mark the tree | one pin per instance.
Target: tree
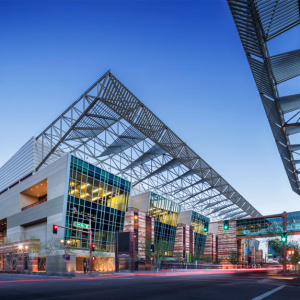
(233, 258)
(162, 250)
(274, 230)
(13, 256)
(294, 259)
(202, 258)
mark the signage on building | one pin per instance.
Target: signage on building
(81, 225)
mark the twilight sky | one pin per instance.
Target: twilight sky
(183, 59)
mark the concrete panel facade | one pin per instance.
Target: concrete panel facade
(141, 201)
(19, 222)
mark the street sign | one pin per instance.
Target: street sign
(81, 225)
(269, 254)
(67, 256)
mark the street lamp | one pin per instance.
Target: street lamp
(21, 248)
(65, 246)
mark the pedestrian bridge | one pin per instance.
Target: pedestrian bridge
(267, 226)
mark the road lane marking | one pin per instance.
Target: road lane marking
(268, 293)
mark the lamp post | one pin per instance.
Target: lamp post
(63, 243)
(21, 248)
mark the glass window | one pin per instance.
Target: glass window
(104, 203)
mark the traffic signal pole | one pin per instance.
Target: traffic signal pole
(90, 236)
(90, 242)
(284, 217)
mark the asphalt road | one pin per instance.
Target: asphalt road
(203, 286)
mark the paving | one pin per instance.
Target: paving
(147, 285)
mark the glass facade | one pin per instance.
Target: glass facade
(99, 195)
(198, 222)
(166, 215)
(293, 221)
(254, 227)
(267, 226)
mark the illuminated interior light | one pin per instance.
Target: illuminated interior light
(107, 194)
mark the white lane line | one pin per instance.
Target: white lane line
(268, 293)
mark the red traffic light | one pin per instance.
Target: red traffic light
(93, 247)
(293, 252)
(55, 229)
(94, 258)
(289, 252)
(151, 258)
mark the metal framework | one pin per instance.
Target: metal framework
(113, 129)
(258, 22)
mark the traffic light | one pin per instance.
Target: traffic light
(94, 257)
(292, 252)
(205, 228)
(226, 225)
(151, 258)
(93, 247)
(284, 237)
(55, 229)
(152, 249)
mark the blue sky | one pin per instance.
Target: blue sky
(183, 59)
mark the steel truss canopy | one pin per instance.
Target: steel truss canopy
(112, 129)
(258, 22)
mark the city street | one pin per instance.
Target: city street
(150, 150)
(143, 286)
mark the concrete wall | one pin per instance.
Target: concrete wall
(50, 211)
(36, 230)
(141, 201)
(185, 217)
(213, 228)
(27, 200)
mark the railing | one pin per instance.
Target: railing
(34, 204)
